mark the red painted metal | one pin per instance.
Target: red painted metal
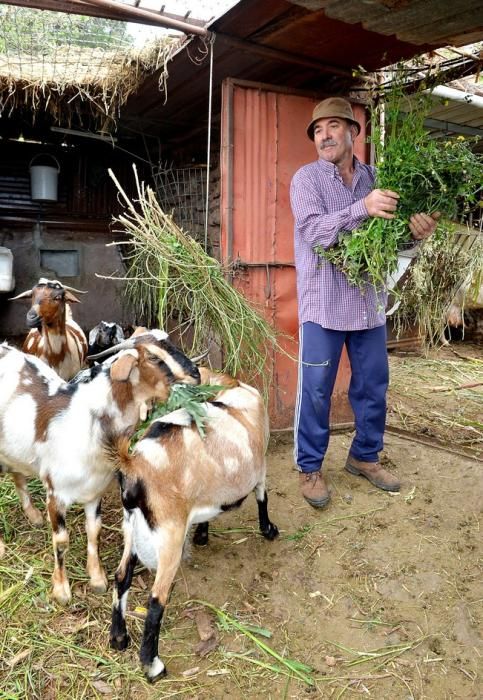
(263, 144)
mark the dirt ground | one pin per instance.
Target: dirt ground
(379, 594)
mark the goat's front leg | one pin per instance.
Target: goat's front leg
(2, 548)
(170, 552)
(97, 575)
(119, 638)
(60, 540)
(267, 528)
(32, 513)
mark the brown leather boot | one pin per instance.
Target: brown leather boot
(314, 489)
(374, 472)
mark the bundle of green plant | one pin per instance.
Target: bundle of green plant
(191, 398)
(172, 281)
(449, 258)
(429, 175)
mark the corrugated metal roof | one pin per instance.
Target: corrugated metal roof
(308, 45)
(445, 22)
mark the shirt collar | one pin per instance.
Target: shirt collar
(333, 171)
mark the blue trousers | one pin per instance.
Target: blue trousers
(319, 355)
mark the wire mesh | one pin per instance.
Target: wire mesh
(70, 65)
(57, 47)
(182, 193)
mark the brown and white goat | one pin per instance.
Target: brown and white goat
(54, 336)
(175, 478)
(58, 431)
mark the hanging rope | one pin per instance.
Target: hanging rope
(208, 147)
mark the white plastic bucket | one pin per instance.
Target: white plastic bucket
(7, 280)
(43, 179)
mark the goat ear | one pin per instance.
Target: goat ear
(71, 298)
(122, 368)
(24, 295)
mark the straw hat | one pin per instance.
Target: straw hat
(332, 107)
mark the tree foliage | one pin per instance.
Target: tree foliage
(31, 31)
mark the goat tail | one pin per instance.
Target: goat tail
(116, 449)
(123, 454)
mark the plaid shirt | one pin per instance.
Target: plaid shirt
(323, 206)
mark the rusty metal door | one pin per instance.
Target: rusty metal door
(263, 143)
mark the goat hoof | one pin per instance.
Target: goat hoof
(99, 584)
(155, 670)
(61, 593)
(35, 517)
(120, 643)
(200, 539)
(271, 532)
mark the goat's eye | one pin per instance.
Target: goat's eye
(153, 358)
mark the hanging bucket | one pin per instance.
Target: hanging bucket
(43, 178)
(7, 280)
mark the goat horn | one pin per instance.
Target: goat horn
(73, 289)
(194, 360)
(24, 295)
(126, 345)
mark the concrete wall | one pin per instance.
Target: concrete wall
(74, 260)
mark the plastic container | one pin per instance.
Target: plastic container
(7, 280)
(44, 178)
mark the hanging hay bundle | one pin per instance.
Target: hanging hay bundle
(172, 280)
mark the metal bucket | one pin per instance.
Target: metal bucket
(43, 179)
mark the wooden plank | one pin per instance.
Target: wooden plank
(122, 13)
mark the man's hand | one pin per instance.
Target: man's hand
(423, 225)
(381, 203)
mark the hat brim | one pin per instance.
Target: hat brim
(310, 128)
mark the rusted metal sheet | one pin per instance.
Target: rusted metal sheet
(263, 144)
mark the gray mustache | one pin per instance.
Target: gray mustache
(328, 142)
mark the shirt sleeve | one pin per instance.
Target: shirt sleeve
(312, 220)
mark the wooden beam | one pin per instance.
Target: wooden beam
(162, 20)
(452, 127)
(280, 56)
(122, 13)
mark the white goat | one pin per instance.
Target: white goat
(58, 431)
(175, 478)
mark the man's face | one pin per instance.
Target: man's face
(333, 139)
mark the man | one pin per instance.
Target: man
(333, 194)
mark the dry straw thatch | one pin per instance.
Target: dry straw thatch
(49, 63)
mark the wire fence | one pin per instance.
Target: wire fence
(182, 193)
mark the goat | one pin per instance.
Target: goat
(463, 300)
(58, 431)
(104, 336)
(174, 478)
(54, 336)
